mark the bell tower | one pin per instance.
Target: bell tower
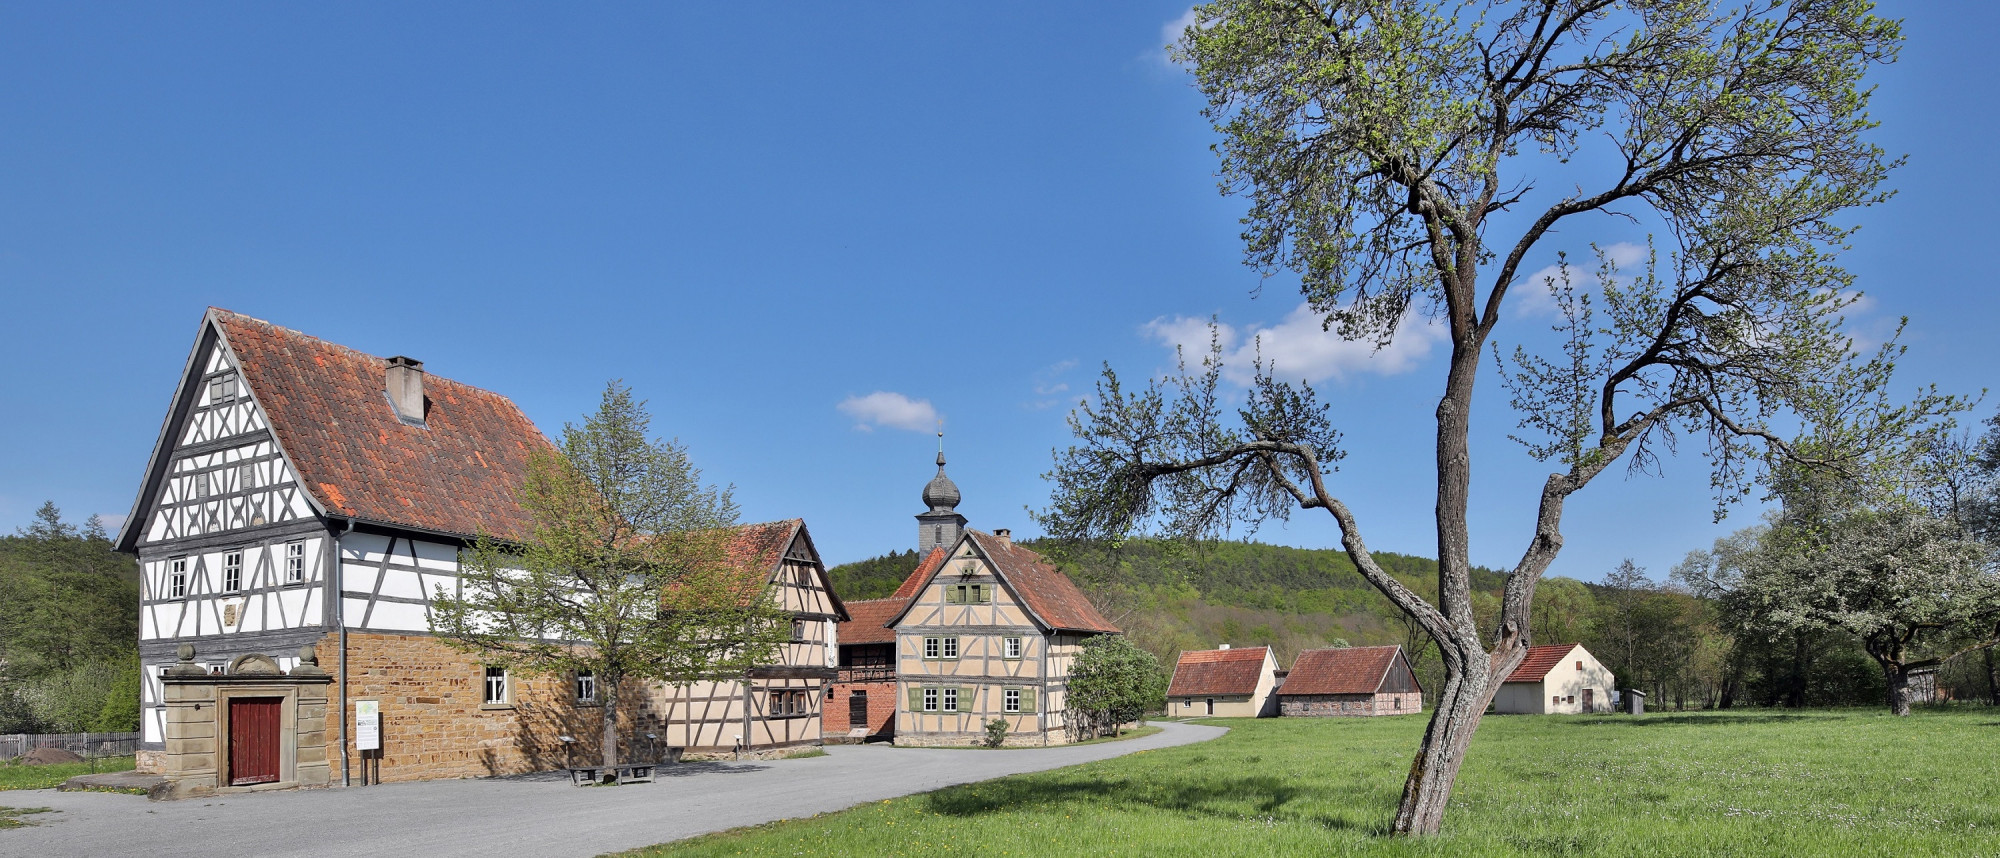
(942, 524)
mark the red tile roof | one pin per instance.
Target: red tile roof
(1218, 671)
(868, 623)
(1048, 593)
(759, 548)
(459, 473)
(1540, 660)
(1342, 670)
(915, 583)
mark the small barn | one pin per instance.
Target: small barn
(1559, 679)
(1225, 683)
(1351, 681)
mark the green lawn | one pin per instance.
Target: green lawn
(1850, 782)
(16, 776)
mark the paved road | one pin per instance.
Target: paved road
(524, 816)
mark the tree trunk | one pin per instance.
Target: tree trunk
(1992, 679)
(1460, 707)
(1899, 688)
(607, 694)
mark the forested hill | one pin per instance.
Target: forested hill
(69, 630)
(1242, 574)
(1171, 596)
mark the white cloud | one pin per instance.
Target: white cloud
(112, 521)
(1047, 384)
(894, 410)
(1298, 348)
(1170, 34)
(1534, 295)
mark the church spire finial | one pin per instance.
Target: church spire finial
(940, 446)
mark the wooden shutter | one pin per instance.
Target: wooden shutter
(916, 699)
(1027, 700)
(954, 595)
(964, 699)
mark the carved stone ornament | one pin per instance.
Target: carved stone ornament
(186, 666)
(308, 662)
(255, 664)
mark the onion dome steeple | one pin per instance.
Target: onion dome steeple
(941, 525)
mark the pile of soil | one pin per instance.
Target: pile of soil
(48, 756)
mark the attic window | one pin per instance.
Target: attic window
(1579, 665)
(221, 387)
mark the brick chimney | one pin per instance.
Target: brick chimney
(1006, 536)
(406, 388)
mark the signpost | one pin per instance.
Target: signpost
(368, 725)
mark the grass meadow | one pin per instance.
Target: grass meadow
(21, 776)
(1737, 783)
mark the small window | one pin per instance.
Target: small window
(930, 700)
(1557, 700)
(1011, 648)
(1579, 665)
(1572, 698)
(1011, 700)
(496, 686)
(798, 630)
(295, 562)
(1211, 705)
(246, 476)
(220, 388)
(788, 703)
(968, 594)
(950, 647)
(201, 487)
(933, 647)
(177, 578)
(586, 687)
(950, 699)
(1399, 703)
(232, 571)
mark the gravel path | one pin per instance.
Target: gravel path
(538, 816)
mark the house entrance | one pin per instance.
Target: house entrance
(253, 740)
(1588, 695)
(857, 710)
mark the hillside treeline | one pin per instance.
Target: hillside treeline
(69, 630)
(1654, 634)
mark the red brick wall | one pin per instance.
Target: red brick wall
(435, 724)
(881, 709)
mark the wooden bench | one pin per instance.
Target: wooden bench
(628, 773)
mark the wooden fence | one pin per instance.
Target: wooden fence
(83, 744)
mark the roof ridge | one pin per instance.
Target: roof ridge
(428, 375)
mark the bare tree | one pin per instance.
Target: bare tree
(1386, 145)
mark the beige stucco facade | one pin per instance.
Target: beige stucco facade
(1262, 702)
(1577, 684)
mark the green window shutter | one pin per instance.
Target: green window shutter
(954, 595)
(965, 699)
(1027, 700)
(916, 699)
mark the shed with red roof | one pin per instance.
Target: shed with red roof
(1225, 683)
(1351, 681)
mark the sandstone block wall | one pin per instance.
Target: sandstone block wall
(435, 723)
(1349, 705)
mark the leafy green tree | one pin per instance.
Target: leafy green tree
(69, 622)
(1394, 154)
(624, 575)
(1113, 682)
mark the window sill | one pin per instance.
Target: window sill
(495, 707)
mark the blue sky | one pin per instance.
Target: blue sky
(798, 230)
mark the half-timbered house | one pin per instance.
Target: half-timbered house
(991, 632)
(301, 504)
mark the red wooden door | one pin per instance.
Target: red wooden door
(253, 740)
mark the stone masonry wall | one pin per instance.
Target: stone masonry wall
(435, 723)
(1349, 705)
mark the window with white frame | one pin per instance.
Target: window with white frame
(496, 686)
(930, 700)
(586, 687)
(1011, 700)
(933, 647)
(295, 562)
(220, 388)
(950, 647)
(177, 578)
(246, 476)
(949, 697)
(232, 571)
(1010, 648)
